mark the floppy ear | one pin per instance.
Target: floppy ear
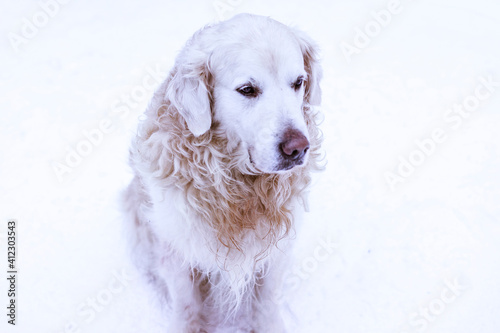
(309, 49)
(189, 89)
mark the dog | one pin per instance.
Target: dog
(222, 162)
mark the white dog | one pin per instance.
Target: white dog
(221, 162)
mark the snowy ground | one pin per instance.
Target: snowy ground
(419, 256)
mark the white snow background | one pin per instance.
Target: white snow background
(423, 256)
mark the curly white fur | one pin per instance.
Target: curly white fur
(210, 208)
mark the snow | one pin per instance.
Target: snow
(429, 244)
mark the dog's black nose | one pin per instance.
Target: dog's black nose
(294, 145)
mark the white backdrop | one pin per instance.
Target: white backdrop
(409, 198)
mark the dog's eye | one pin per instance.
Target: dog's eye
(297, 84)
(248, 91)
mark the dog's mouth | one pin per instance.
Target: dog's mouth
(289, 165)
(250, 157)
(283, 165)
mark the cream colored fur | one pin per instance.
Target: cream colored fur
(211, 214)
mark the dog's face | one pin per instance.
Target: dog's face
(259, 78)
(258, 99)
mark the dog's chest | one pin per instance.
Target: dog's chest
(190, 236)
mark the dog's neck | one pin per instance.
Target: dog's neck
(221, 186)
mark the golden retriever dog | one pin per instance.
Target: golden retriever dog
(222, 161)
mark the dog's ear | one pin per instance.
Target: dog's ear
(309, 50)
(189, 89)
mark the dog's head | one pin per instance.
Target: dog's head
(253, 77)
